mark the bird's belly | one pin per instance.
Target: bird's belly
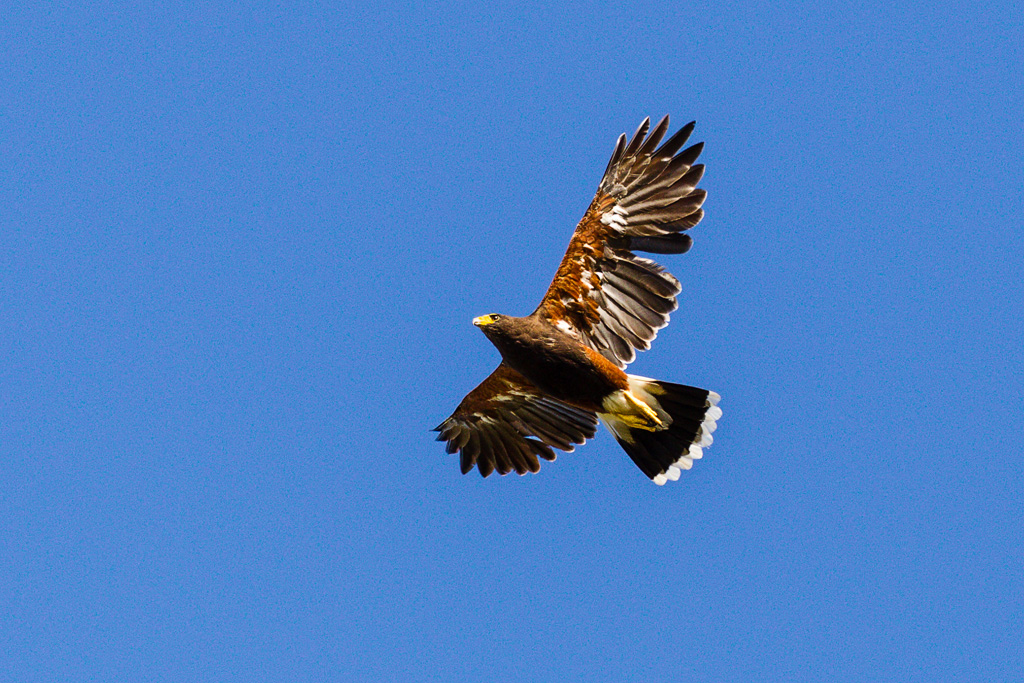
(573, 378)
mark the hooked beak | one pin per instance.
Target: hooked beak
(482, 320)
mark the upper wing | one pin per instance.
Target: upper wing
(491, 425)
(603, 294)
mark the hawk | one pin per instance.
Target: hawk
(562, 367)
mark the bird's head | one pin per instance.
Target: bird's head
(492, 323)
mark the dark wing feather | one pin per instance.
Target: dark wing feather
(603, 294)
(506, 422)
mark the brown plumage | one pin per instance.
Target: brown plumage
(562, 366)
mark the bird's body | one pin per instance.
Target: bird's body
(562, 366)
(553, 361)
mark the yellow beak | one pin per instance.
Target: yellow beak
(483, 320)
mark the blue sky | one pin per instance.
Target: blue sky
(240, 248)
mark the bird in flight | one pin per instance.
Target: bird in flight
(562, 366)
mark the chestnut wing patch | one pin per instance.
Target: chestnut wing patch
(506, 423)
(605, 295)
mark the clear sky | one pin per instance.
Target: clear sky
(240, 248)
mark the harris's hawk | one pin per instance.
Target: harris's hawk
(562, 366)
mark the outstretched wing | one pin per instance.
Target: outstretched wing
(603, 294)
(506, 422)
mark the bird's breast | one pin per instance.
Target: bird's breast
(563, 368)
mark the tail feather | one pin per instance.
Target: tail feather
(688, 416)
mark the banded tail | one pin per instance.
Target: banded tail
(662, 426)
